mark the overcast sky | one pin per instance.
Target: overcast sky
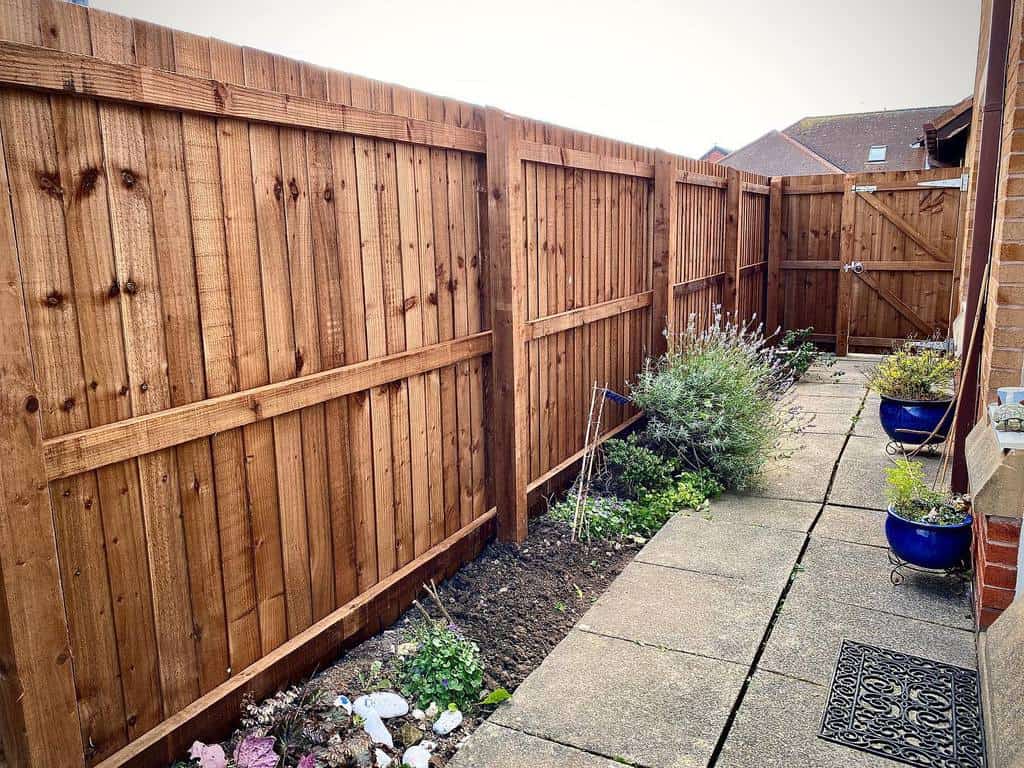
(678, 75)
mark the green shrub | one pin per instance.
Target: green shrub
(608, 517)
(710, 402)
(446, 667)
(633, 470)
(912, 499)
(605, 516)
(799, 353)
(690, 491)
(915, 374)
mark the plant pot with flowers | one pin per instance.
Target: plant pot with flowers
(925, 527)
(916, 391)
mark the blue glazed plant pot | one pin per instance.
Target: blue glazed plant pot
(940, 547)
(911, 421)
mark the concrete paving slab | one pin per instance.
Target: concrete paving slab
(777, 726)
(846, 406)
(492, 746)
(811, 627)
(618, 699)
(782, 514)
(828, 423)
(857, 526)
(859, 575)
(803, 476)
(755, 554)
(860, 478)
(685, 611)
(868, 423)
(838, 389)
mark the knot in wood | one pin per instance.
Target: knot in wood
(54, 299)
(131, 288)
(278, 188)
(144, 387)
(31, 403)
(293, 189)
(50, 184)
(114, 290)
(328, 194)
(128, 178)
(88, 181)
(68, 404)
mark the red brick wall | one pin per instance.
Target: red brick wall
(997, 531)
(995, 565)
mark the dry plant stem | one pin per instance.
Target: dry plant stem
(581, 480)
(421, 609)
(590, 462)
(432, 591)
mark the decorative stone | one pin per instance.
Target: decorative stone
(410, 735)
(343, 703)
(416, 757)
(376, 730)
(382, 760)
(389, 704)
(449, 720)
(406, 649)
(432, 710)
(419, 714)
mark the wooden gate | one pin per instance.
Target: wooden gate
(866, 259)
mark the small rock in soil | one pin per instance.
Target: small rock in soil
(410, 735)
(449, 720)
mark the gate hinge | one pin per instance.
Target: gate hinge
(960, 183)
(864, 188)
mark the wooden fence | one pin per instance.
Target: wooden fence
(279, 344)
(866, 259)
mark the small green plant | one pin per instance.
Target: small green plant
(446, 667)
(604, 516)
(634, 470)
(911, 498)
(609, 517)
(799, 353)
(910, 373)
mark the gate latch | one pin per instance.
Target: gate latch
(854, 266)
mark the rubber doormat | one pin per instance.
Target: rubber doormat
(905, 708)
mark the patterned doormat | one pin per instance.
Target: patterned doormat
(905, 708)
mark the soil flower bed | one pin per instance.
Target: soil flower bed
(515, 603)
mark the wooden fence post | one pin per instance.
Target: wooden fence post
(505, 231)
(731, 283)
(845, 292)
(39, 721)
(663, 301)
(771, 301)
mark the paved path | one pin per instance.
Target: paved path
(715, 647)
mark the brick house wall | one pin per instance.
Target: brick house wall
(997, 533)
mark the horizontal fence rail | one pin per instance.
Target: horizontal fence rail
(281, 343)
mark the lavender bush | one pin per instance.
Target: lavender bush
(711, 401)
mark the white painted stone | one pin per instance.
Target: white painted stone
(416, 757)
(449, 720)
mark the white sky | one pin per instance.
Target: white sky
(678, 75)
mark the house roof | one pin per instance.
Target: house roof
(776, 154)
(840, 143)
(715, 153)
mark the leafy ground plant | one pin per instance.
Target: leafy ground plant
(609, 517)
(799, 353)
(912, 499)
(910, 373)
(445, 669)
(711, 402)
(634, 471)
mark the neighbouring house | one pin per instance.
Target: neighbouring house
(891, 140)
(715, 154)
